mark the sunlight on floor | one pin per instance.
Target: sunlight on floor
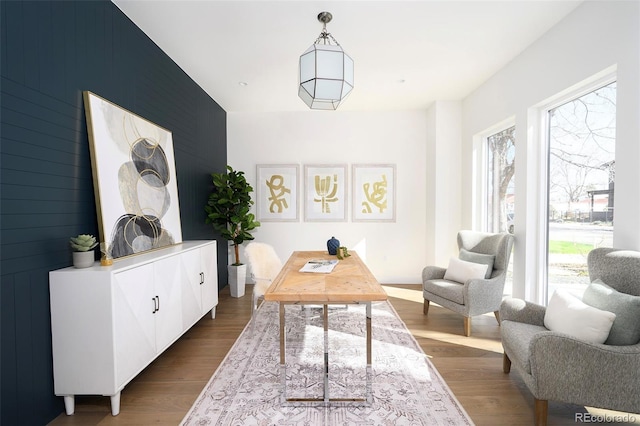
(404, 293)
(471, 341)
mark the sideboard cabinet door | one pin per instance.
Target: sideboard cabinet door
(209, 285)
(191, 297)
(169, 281)
(134, 332)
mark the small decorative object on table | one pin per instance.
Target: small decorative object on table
(342, 252)
(332, 246)
(83, 245)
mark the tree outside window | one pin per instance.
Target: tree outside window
(500, 181)
(582, 135)
(501, 149)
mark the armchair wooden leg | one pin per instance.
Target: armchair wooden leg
(506, 363)
(497, 314)
(425, 307)
(540, 415)
(467, 326)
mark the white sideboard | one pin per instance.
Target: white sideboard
(110, 322)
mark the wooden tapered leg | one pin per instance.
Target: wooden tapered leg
(506, 363)
(425, 307)
(540, 415)
(467, 326)
(497, 314)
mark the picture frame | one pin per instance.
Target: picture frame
(277, 192)
(325, 193)
(374, 192)
(134, 180)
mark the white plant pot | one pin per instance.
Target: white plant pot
(237, 279)
(83, 259)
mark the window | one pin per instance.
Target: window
(501, 148)
(500, 182)
(581, 178)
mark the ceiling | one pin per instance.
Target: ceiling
(407, 54)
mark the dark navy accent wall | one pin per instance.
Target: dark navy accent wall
(51, 52)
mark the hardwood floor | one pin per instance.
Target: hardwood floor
(472, 367)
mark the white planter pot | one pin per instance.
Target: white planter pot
(237, 279)
(83, 259)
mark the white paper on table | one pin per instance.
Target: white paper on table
(319, 266)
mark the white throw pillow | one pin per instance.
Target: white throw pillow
(461, 270)
(485, 259)
(568, 314)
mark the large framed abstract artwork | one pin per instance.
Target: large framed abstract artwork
(277, 188)
(325, 193)
(374, 192)
(134, 179)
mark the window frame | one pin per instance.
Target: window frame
(480, 212)
(536, 279)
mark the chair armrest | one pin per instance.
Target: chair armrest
(486, 294)
(571, 370)
(433, 273)
(519, 310)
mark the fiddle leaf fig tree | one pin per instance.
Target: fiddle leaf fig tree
(228, 208)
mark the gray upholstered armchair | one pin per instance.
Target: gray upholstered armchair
(476, 296)
(558, 367)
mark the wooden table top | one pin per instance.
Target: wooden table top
(350, 281)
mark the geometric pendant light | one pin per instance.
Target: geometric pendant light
(325, 72)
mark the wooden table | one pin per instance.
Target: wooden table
(349, 282)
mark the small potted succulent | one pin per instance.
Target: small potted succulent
(82, 246)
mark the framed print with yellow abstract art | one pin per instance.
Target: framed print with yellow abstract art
(325, 196)
(277, 189)
(374, 192)
(134, 179)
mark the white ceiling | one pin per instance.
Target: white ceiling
(407, 54)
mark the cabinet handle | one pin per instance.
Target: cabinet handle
(155, 306)
(201, 278)
(158, 297)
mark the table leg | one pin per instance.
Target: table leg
(283, 367)
(325, 400)
(369, 390)
(325, 321)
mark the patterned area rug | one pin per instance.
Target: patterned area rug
(246, 388)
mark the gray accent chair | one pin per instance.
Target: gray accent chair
(557, 367)
(476, 296)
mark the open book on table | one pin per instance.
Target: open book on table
(319, 266)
